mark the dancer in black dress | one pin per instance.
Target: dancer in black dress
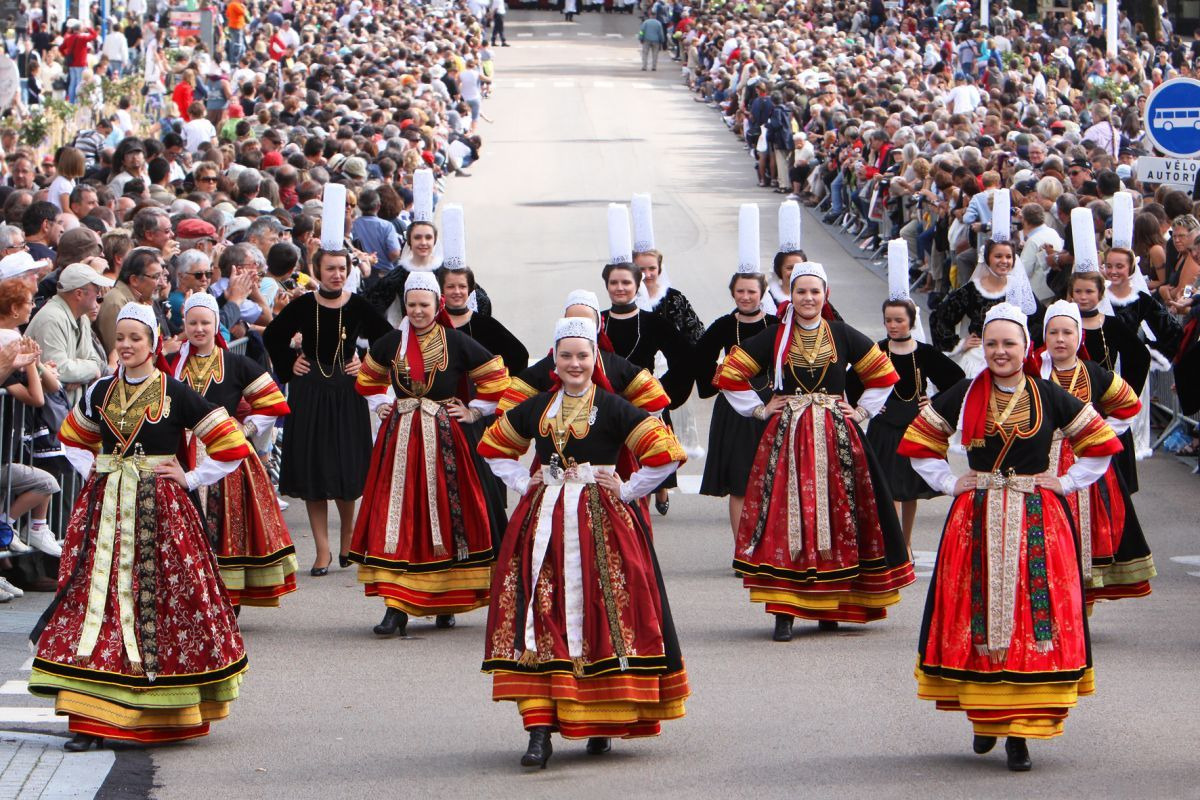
(733, 438)
(327, 437)
(918, 364)
(656, 294)
(1106, 340)
(638, 335)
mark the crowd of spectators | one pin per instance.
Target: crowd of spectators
(902, 120)
(210, 181)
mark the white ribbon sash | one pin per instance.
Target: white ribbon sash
(428, 410)
(1005, 506)
(1083, 499)
(821, 403)
(117, 514)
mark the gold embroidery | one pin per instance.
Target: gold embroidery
(125, 408)
(574, 420)
(433, 353)
(200, 371)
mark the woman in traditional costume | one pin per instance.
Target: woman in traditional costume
(425, 540)
(639, 336)
(636, 384)
(254, 549)
(140, 643)
(580, 633)
(918, 364)
(327, 437)
(733, 438)
(818, 537)
(420, 254)
(1004, 636)
(1114, 555)
(957, 322)
(1106, 340)
(656, 294)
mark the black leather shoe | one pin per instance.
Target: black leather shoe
(663, 506)
(830, 218)
(599, 745)
(540, 748)
(343, 561)
(1018, 754)
(827, 625)
(237, 611)
(394, 622)
(444, 621)
(783, 627)
(81, 742)
(983, 744)
(320, 572)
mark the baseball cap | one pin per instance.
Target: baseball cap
(76, 276)
(16, 264)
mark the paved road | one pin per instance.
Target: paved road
(327, 710)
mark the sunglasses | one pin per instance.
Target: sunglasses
(206, 275)
(206, 179)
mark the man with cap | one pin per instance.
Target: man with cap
(63, 328)
(194, 233)
(1079, 171)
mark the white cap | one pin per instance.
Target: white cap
(16, 264)
(620, 247)
(423, 196)
(454, 237)
(748, 240)
(897, 253)
(1009, 312)
(76, 276)
(574, 328)
(143, 314)
(1083, 232)
(333, 217)
(1061, 308)
(422, 280)
(808, 268)
(1001, 215)
(789, 227)
(582, 297)
(1122, 220)
(202, 300)
(643, 223)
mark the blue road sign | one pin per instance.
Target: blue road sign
(1172, 119)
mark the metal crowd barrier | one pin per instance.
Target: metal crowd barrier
(1165, 399)
(20, 451)
(238, 346)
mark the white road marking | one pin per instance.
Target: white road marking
(584, 33)
(554, 34)
(523, 84)
(28, 665)
(1190, 561)
(603, 84)
(614, 35)
(14, 687)
(525, 35)
(641, 85)
(29, 715)
(564, 84)
(923, 562)
(689, 484)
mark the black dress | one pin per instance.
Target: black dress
(1141, 307)
(1105, 345)
(675, 309)
(327, 437)
(732, 438)
(637, 339)
(965, 305)
(390, 287)
(903, 404)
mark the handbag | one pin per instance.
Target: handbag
(762, 140)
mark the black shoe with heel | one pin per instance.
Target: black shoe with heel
(394, 622)
(827, 625)
(599, 745)
(540, 748)
(1018, 754)
(444, 621)
(983, 744)
(343, 561)
(320, 572)
(783, 627)
(81, 743)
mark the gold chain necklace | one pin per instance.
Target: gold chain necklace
(918, 384)
(337, 353)
(125, 402)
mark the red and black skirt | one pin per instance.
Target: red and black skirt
(779, 548)
(628, 675)
(423, 536)
(1027, 688)
(254, 549)
(190, 654)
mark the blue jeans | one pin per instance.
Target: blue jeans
(835, 189)
(236, 46)
(75, 75)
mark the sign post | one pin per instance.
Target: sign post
(1177, 172)
(1172, 118)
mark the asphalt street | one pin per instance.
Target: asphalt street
(327, 710)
